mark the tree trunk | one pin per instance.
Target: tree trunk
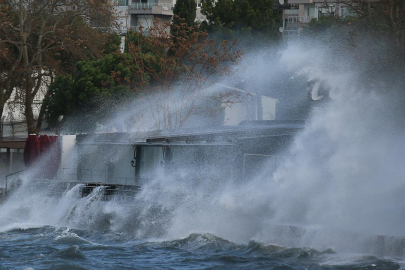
(40, 117)
(29, 115)
(29, 118)
(1, 122)
(2, 102)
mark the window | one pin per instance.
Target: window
(327, 10)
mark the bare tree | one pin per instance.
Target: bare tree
(40, 39)
(173, 71)
(382, 16)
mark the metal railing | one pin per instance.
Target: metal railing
(165, 7)
(116, 192)
(299, 19)
(290, 33)
(7, 180)
(69, 175)
(141, 6)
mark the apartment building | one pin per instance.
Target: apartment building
(298, 13)
(134, 14)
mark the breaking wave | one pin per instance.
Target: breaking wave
(339, 189)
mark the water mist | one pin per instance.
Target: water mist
(339, 184)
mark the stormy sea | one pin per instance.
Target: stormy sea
(49, 247)
(335, 200)
(177, 226)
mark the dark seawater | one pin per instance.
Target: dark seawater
(62, 248)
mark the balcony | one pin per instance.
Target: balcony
(151, 8)
(301, 1)
(299, 19)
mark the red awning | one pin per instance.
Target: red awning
(31, 150)
(45, 144)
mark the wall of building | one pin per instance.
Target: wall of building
(68, 164)
(250, 108)
(129, 10)
(299, 13)
(105, 163)
(10, 163)
(123, 19)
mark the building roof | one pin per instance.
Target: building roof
(219, 135)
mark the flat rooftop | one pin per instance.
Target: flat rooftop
(215, 135)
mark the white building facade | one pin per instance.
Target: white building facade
(134, 14)
(298, 13)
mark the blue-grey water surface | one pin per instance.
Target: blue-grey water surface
(62, 248)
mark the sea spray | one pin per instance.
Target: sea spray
(338, 186)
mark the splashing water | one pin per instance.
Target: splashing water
(340, 186)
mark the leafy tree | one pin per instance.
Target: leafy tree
(94, 92)
(323, 24)
(186, 10)
(112, 43)
(240, 16)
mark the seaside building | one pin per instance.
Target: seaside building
(297, 14)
